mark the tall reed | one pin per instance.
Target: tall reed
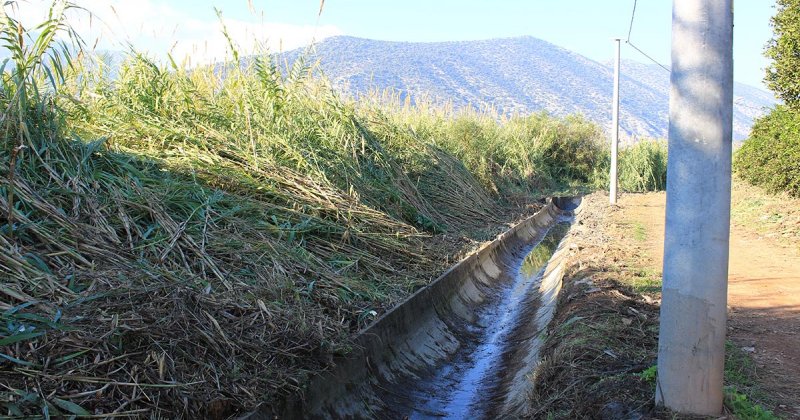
(181, 243)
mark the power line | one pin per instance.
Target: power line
(628, 40)
(630, 28)
(640, 51)
(645, 54)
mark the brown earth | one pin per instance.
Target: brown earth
(603, 337)
(763, 294)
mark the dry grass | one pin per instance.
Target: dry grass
(604, 334)
(775, 216)
(599, 358)
(192, 244)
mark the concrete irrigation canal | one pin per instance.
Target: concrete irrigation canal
(463, 347)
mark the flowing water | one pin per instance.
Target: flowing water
(467, 384)
(465, 346)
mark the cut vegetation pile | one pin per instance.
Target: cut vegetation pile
(600, 353)
(181, 243)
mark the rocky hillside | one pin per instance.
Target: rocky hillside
(523, 74)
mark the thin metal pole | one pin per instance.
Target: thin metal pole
(691, 343)
(614, 127)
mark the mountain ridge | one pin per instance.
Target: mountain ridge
(515, 75)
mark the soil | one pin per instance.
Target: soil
(763, 294)
(604, 333)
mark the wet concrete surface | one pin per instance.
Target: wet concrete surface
(470, 384)
(463, 347)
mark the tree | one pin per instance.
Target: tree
(769, 157)
(783, 74)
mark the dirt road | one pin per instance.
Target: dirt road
(763, 295)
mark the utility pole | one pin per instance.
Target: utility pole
(614, 127)
(691, 344)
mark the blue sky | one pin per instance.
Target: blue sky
(190, 27)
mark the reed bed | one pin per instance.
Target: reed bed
(642, 167)
(182, 243)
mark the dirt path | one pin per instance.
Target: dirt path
(763, 295)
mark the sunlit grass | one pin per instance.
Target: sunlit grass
(217, 234)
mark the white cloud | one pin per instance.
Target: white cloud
(204, 41)
(158, 28)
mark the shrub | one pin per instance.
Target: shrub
(769, 158)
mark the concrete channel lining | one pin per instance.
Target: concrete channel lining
(526, 359)
(427, 328)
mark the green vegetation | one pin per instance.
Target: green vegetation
(783, 73)
(741, 388)
(642, 167)
(650, 374)
(644, 279)
(194, 243)
(537, 259)
(745, 409)
(639, 232)
(739, 374)
(769, 157)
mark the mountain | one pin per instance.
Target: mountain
(515, 75)
(748, 102)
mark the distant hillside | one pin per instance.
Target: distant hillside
(515, 75)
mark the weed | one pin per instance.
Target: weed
(649, 375)
(745, 409)
(741, 373)
(644, 280)
(639, 232)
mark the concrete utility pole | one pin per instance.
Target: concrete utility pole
(614, 127)
(691, 344)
